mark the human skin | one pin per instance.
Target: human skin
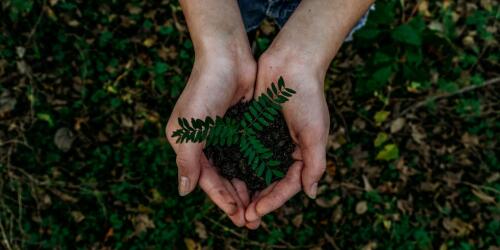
(301, 53)
(224, 73)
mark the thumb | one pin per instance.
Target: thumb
(314, 166)
(188, 164)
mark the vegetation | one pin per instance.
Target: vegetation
(226, 131)
(86, 88)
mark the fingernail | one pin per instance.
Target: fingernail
(314, 190)
(183, 186)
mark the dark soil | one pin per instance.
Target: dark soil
(231, 162)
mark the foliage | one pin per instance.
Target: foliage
(109, 72)
(226, 131)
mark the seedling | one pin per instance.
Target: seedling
(224, 131)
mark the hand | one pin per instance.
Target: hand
(216, 83)
(307, 117)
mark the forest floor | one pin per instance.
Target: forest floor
(86, 88)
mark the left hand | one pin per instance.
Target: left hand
(307, 117)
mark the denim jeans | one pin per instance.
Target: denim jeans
(254, 11)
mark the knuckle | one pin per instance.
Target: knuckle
(182, 162)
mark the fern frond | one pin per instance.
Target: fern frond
(225, 132)
(264, 109)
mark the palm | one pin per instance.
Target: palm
(307, 118)
(212, 88)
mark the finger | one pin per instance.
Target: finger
(241, 189)
(188, 164)
(239, 217)
(297, 154)
(251, 212)
(253, 225)
(282, 192)
(314, 167)
(213, 185)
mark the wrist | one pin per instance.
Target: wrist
(290, 60)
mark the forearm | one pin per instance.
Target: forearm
(215, 26)
(317, 29)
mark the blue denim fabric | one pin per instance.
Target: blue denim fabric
(254, 12)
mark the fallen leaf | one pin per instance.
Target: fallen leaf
(297, 220)
(64, 139)
(191, 244)
(469, 140)
(361, 207)
(381, 138)
(457, 227)
(397, 125)
(77, 216)
(483, 197)
(148, 42)
(327, 203)
(381, 116)
(389, 153)
(366, 182)
(418, 134)
(200, 229)
(7, 103)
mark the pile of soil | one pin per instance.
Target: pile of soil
(231, 163)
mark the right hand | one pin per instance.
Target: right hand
(216, 83)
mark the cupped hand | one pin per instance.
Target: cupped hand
(307, 118)
(215, 84)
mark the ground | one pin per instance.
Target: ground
(86, 88)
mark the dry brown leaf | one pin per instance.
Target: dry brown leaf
(361, 207)
(418, 134)
(397, 125)
(200, 229)
(297, 220)
(366, 182)
(457, 227)
(469, 140)
(77, 216)
(483, 197)
(327, 203)
(64, 139)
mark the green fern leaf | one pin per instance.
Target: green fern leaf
(275, 90)
(251, 156)
(273, 163)
(267, 155)
(270, 93)
(281, 83)
(195, 123)
(263, 122)
(248, 117)
(260, 169)
(257, 106)
(268, 116)
(291, 91)
(286, 94)
(278, 173)
(186, 123)
(253, 111)
(269, 176)
(209, 121)
(257, 126)
(281, 99)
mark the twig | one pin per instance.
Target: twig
(33, 30)
(6, 240)
(251, 242)
(480, 187)
(446, 95)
